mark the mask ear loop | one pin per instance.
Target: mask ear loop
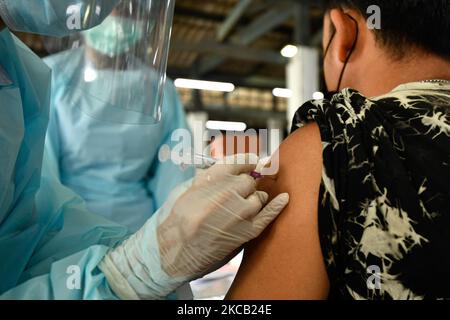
(329, 43)
(347, 59)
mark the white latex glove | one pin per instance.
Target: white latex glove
(197, 228)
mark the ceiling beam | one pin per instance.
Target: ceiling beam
(263, 24)
(230, 51)
(188, 13)
(251, 33)
(197, 14)
(258, 82)
(302, 21)
(261, 6)
(232, 19)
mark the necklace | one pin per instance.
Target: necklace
(436, 81)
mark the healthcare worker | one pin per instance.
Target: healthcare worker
(113, 165)
(51, 247)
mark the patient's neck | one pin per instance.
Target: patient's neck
(380, 78)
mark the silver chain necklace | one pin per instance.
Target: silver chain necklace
(436, 81)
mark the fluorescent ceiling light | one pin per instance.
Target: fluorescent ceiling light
(226, 126)
(289, 51)
(282, 93)
(318, 96)
(204, 85)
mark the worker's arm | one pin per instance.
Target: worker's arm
(71, 241)
(50, 245)
(62, 250)
(286, 261)
(57, 250)
(53, 144)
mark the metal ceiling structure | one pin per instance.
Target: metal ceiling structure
(236, 41)
(240, 40)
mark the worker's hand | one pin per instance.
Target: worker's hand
(197, 229)
(220, 212)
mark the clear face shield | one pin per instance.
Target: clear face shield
(116, 71)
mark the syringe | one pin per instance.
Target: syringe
(205, 162)
(197, 160)
(202, 161)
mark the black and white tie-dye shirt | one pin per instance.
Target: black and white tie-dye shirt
(384, 206)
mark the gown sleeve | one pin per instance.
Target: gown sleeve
(69, 244)
(166, 176)
(50, 244)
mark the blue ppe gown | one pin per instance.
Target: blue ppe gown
(56, 18)
(114, 167)
(46, 233)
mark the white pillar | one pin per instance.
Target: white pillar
(302, 78)
(274, 140)
(197, 123)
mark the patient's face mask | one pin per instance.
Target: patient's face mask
(115, 36)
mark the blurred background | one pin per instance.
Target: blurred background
(264, 54)
(261, 60)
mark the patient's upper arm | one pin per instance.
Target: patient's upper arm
(286, 261)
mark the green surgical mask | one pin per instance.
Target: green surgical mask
(115, 36)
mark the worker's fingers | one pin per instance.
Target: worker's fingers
(270, 213)
(237, 164)
(243, 184)
(254, 203)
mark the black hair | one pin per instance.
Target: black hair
(406, 24)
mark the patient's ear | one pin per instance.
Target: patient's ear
(346, 33)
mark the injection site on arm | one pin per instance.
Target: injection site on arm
(286, 261)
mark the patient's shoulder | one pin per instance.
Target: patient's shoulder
(305, 139)
(286, 261)
(300, 162)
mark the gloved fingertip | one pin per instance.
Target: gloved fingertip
(283, 198)
(263, 196)
(278, 203)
